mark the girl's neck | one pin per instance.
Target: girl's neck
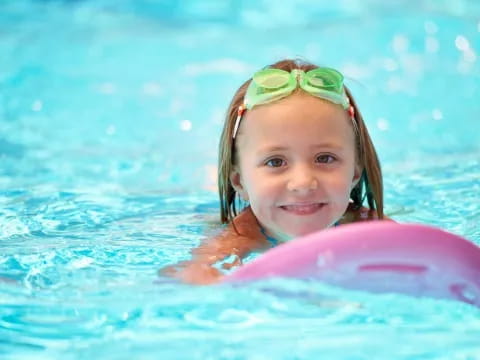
(276, 240)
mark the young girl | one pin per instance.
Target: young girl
(295, 151)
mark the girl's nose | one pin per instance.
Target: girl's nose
(302, 180)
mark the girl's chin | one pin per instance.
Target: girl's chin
(302, 232)
(297, 228)
(286, 233)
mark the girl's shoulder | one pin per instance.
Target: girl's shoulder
(246, 225)
(242, 235)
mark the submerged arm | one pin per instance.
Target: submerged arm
(200, 269)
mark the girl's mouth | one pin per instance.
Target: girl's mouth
(303, 209)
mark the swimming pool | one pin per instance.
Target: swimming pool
(109, 120)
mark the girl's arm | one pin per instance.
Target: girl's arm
(200, 270)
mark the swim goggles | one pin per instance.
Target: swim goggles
(270, 85)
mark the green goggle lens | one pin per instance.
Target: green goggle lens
(271, 78)
(328, 79)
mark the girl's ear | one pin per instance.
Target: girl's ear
(357, 174)
(237, 184)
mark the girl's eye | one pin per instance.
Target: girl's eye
(325, 159)
(276, 162)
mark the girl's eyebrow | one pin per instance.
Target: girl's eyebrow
(329, 145)
(274, 148)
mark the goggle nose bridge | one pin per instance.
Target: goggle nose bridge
(298, 75)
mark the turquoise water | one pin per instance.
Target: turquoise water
(109, 120)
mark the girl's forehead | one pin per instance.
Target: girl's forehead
(297, 117)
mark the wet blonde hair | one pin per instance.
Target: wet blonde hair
(369, 187)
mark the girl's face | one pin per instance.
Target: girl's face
(296, 164)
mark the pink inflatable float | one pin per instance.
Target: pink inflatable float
(379, 256)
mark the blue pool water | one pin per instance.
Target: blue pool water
(109, 118)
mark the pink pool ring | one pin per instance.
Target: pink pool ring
(380, 257)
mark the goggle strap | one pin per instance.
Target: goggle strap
(240, 111)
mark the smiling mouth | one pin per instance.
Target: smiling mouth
(303, 209)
